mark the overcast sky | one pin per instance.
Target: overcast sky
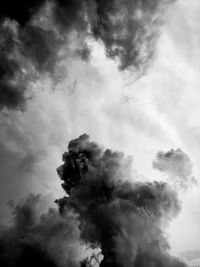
(156, 112)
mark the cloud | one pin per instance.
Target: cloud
(134, 214)
(28, 144)
(31, 50)
(191, 255)
(32, 39)
(177, 165)
(24, 53)
(21, 14)
(129, 30)
(97, 182)
(12, 80)
(41, 236)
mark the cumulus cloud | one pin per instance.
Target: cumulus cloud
(104, 219)
(177, 165)
(42, 237)
(126, 219)
(129, 30)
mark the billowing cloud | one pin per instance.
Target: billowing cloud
(126, 219)
(24, 53)
(129, 30)
(20, 13)
(42, 237)
(33, 37)
(104, 219)
(31, 49)
(177, 165)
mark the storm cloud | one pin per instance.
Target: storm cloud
(33, 36)
(129, 30)
(41, 236)
(105, 219)
(125, 219)
(24, 53)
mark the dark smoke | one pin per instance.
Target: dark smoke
(25, 53)
(32, 33)
(125, 219)
(15, 246)
(20, 11)
(177, 165)
(104, 219)
(28, 49)
(12, 84)
(129, 30)
(41, 238)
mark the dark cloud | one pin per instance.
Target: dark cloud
(28, 144)
(39, 237)
(125, 219)
(129, 30)
(20, 11)
(32, 34)
(177, 165)
(104, 220)
(15, 172)
(27, 51)
(71, 14)
(39, 46)
(12, 84)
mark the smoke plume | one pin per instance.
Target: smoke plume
(106, 218)
(125, 219)
(33, 36)
(129, 30)
(41, 237)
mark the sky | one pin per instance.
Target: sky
(157, 110)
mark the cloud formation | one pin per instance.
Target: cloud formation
(177, 165)
(41, 237)
(24, 53)
(104, 220)
(125, 219)
(129, 30)
(33, 36)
